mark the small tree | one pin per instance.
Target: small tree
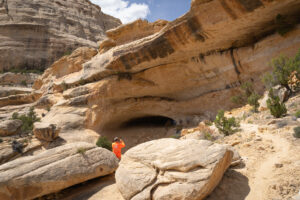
(276, 108)
(253, 101)
(225, 125)
(283, 67)
(104, 143)
(27, 120)
(297, 132)
(248, 95)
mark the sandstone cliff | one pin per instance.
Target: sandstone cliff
(33, 34)
(186, 68)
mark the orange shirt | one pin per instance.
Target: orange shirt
(117, 147)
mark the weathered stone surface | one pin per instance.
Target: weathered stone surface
(45, 131)
(17, 79)
(7, 91)
(33, 34)
(10, 127)
(53, 170)
(197, 135)
(19, 99)
(135, 30)
(185, 69)
(169, 169)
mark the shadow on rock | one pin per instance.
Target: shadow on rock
(234, 186)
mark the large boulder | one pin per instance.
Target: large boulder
(53, 170)
(45, 131)
(10, 127)
(172, 169)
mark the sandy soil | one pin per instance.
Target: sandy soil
(270, 167)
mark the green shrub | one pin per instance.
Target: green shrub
(253, 101)
(248, 95)
(176, 136)
(64, 86)
(27, 120)
(297, 114)
(227, 126)
(297, 132)
(1, 140)
(104, 143)
(48, 108)
(81, 150)
(276, 108)
(282, 70)
(81, 81)
(208, 136)
(24, 83)
(24, 70)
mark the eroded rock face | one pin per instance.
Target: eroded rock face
(34, 34)
(10, 127)
(172, 169)
(53, 170)
(45, 131)
(185, 69)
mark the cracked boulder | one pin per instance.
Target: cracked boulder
(53, 170)
(10, 127)
(45, 131)
(172, 169)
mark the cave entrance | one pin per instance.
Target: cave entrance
(149, 121)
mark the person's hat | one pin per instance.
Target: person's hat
(116, 139)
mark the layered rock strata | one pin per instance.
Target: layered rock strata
(33, 34)
(184, 70)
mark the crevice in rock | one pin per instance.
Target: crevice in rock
(148, 121)
(234, 62)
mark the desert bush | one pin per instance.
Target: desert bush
(248, 95)
(1, 140)
(283, 67)
(81, 150)
(276, 108)
(64, 86)
(24, 70)
(253, 101)
(27, 120)
(297, 114)
(104, 143)
(81, 81)
(226, 125)
(24, 83)
(297, 132)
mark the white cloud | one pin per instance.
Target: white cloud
(123, 10)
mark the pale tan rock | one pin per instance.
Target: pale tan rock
(45, 131)
(34, 34)
(17, 79)
(53, 170)
(19, 99)
(10, 127)
(134, 31)
(169, 169)
(7, 91)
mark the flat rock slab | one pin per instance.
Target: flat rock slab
(172, 169)
(53, 170)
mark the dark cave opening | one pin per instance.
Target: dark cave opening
(149, 121)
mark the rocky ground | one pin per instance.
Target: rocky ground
(269, 166)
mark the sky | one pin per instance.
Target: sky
(152, 10)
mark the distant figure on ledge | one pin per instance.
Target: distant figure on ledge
(117, 147)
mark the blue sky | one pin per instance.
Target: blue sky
(152, 10)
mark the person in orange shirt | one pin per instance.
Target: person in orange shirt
(117, 147)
